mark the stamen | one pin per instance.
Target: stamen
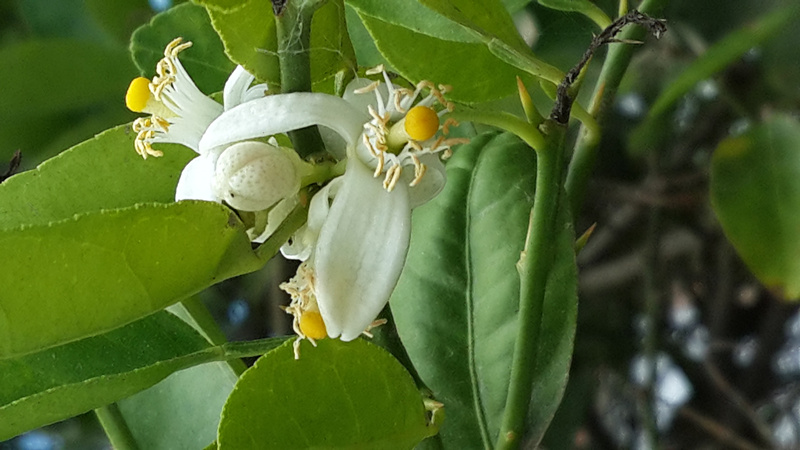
(375, 324)
(392, 175)
(379, 167)
(419, 170)
(369, 88)
(175, 46)
(446, 125)
(375, 70)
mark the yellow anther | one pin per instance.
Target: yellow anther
(421, 123)
(375, 70)
(312, 326)
(138, 94)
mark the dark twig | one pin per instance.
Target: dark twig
(563, 105)
(722, 434)
(278, 6)
(738, 400)
(12, 166)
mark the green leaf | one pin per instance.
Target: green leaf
(119, 18)
(585, 7)
(717, 57)
(102, 173)
(487, 17)
(338, 395)
(205, 61)
(61, 382)
(755, 192)
(96, 272)
(414, 16)
(250, 39)
(462, 37)
(59, 76)
(456, 302)
(222, 5)
(454, 63)
(183, 410)
(65, 18)
(513, 6)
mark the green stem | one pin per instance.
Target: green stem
(204, 322)
(116, 428)
(615, 65)
(505, 121)
(534, 266)
(293, 27)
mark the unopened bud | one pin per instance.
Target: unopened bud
(252, 176)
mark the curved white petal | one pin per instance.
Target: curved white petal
(431, 184)
(236, 87)
(360, 251)
(304, 240)
(281, 113)
(195, 181)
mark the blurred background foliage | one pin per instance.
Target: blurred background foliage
(677, 341)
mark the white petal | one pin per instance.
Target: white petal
(281, 113)
(304, 240)
(236, 87)
(431, 184)
(360, 252)
(195, 181)
(276, 216)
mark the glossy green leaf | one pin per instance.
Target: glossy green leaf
(98, 271)
(338, 395)
(416, 17)
(367, 54)
(486, 17)
(102, 173)
(585, 7)
(755, 192)
(454, 63)
(716, 58)
(205, 61)
(512, 6)
(183, 410)
(456, 302)
(222, 5)
(61, 382)
(250, 39)
(59, 76)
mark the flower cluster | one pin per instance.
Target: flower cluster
(354, 243)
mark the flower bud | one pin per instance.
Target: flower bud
(253, 176)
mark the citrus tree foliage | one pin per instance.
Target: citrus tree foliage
(415, 156)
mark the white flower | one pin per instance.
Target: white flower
(181, 113)
(356, 239)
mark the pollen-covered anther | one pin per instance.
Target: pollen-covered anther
(392, 175)
(144, 129)
(375, 70)
(447, 124)
(419, 170)
(176, 46)
(368, 88)
(375, 324)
